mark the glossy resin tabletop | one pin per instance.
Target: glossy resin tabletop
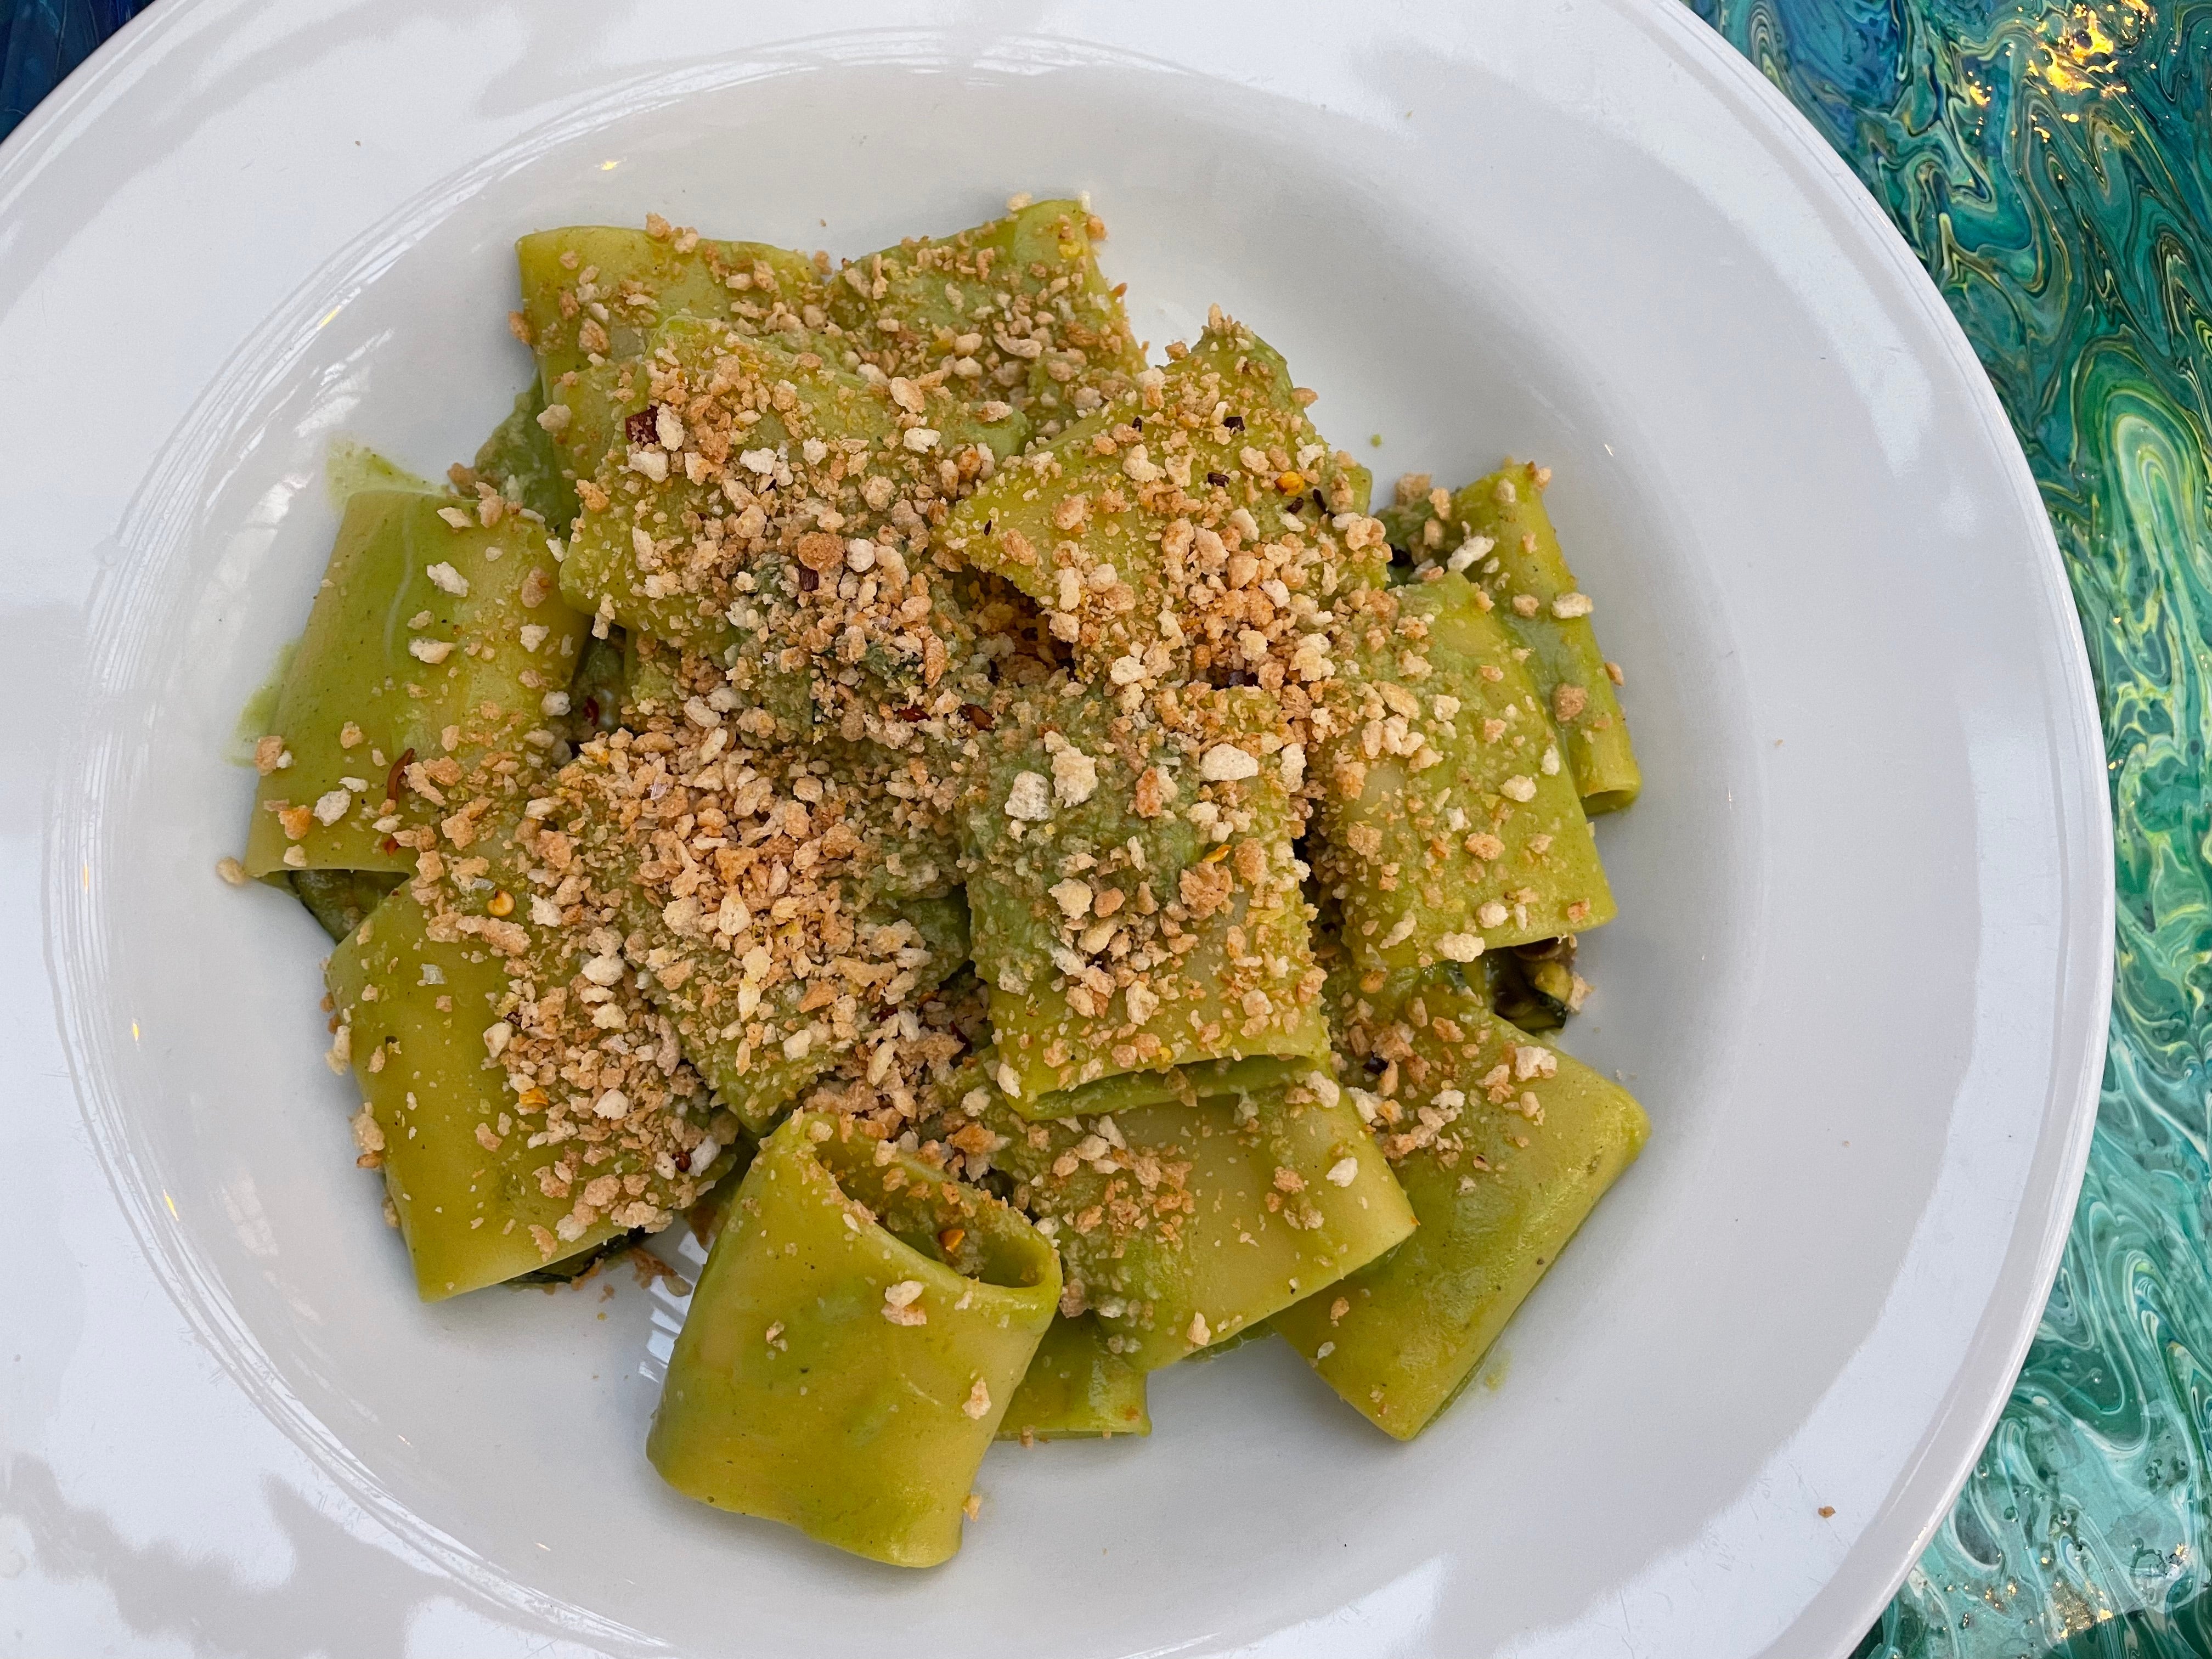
(2052, 165)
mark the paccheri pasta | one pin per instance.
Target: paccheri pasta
(988, 826)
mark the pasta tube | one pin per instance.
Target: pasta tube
(757, 506)
(1175, 532)
(1179, 1225)
(595, 293)
(1136, 908)
(1015, 310)
(853, 1345)
(512, 1129)
(1504, 1146)
(428, 656)
(1077, 1389)
(1496, 531)
(1448, 821)
(756, 894)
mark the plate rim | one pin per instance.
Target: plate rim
(1936, 1471)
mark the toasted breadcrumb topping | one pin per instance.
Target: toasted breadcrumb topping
(1106, 683)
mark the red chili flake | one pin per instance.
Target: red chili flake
(978, 716)
(592, 711)
(910, 715)
(643, 428)
(396, 779)
(390, 843)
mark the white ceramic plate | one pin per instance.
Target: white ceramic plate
(1859, 978)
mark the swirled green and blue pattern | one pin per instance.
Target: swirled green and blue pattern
(42, 41)
(2052, 165)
